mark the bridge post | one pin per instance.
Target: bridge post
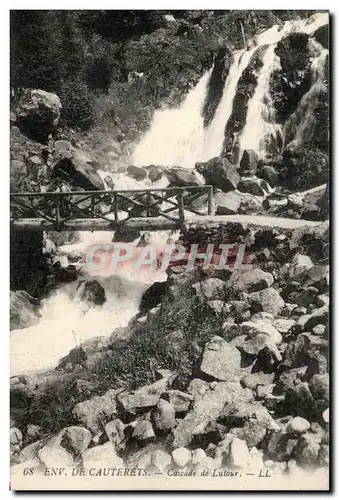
(181, 206)
(57, 213)
(210, 201)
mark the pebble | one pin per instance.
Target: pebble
(297, 425)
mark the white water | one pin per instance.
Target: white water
(260, 128)
(301, 123)
(176, 137)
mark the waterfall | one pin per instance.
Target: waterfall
(301, 124)
(260, 130)
(176, 134)
(260, 126)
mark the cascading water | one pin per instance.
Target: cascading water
(301, 124)
(176, 136)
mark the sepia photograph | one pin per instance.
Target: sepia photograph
(169, 250)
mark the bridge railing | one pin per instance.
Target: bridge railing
(117, 205)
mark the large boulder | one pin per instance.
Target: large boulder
(96, 412)
(227, 203)
(267, 300)
(77, 169)
(249, 162)
(249, 281)
(220, 173)
(251, 186)
(220, 360)
(24, 310)
(207, 408)
(91, 292)
(38, 113)
(182, 177)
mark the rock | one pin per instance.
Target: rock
(322, 35)
(198, 456)
(326, 416)
(269, 174)
(198, 387)
(250, 186)
(320, 386)
(222, 63)
(324, 455)
(15, 441)
(300, 160)
(90, 291)
(227, 203)
(154, 173)
(181, 456)
(307, 296)
(208, 288)
(143, 430)
(249, 162)
(254, 379)
(153, 296)
(24, 310)
(318, 316)
(163, 416)
(239, 455)
(206, 408)
(62, 145)
(220, 360)
(38, 113)
(34, 161)
(220, 173)
(308, 449)
(254, 432)
(248, 281)
(261, 327)
(33, 433)
(182, 177)
(181, 401)
(283, 325)
(115, 431)
(75, 439)
(138, 173)
(267, 300)
(319, 329)
(50, 456)
(96, 412)
(161, 460)
(144, 398)
(79, 172)
(299, 264)
(297, 425)
(101, 456)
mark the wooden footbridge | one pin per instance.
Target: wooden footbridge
(146, 209)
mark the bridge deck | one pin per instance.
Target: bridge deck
(161, 223)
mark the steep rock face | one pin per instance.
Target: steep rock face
(222, 64)
(305, 168)
(290, 82)
(245, 91)
(37, 113)
(322, 35)
(24, 310)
